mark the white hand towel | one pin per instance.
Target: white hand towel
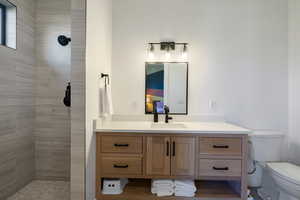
(185, 189)
(162, 183)
(163, 193)
(184, 194)
(105, 104)
(184, 183)
(155, 190)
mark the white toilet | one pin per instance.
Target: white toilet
(266, 150)
(287, 177)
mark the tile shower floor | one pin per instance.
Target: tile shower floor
(43, 190)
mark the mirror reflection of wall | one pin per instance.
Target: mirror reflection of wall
(166, 84)
(8, 24)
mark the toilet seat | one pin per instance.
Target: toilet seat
(286, 171)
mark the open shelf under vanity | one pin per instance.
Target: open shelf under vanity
(140, 189)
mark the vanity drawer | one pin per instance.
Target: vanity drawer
(220, 146)
(121, 166)
(215, 168)
(121, 144)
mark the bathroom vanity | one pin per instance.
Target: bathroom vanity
(213, 154)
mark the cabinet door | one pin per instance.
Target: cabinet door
(158, 155)
(183, 156)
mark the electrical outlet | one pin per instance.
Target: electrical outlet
(212, 104)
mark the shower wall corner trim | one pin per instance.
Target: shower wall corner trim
(78, 50)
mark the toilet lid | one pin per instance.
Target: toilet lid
(287, 171)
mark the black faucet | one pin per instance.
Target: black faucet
(155, 117)
(167, 110)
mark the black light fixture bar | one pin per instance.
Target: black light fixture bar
(159, 43)
(166, 46)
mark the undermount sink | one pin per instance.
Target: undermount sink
(165, 125)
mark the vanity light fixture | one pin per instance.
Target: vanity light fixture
(151, 51)
(151, 47)
(168, 47)
(168, 53)
(184, 51)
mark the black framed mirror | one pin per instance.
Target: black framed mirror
(166, 83)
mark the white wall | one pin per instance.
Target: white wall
(97, 61)
(294, 83)
(237, 54)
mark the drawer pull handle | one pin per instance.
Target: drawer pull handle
(221, 146)
(168, 148)
(221, 168)
(121, 166)
(121, 145)
(174, 149)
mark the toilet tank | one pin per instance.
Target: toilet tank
(266, 146)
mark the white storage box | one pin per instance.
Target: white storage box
(114, 186)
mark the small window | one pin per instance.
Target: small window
(2, 24)
(8, 23)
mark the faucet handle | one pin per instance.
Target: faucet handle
(154, 107)
(167, 109)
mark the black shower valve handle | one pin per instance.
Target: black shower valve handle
(63, 40)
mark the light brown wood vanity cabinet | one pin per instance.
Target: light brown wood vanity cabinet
(217, 161)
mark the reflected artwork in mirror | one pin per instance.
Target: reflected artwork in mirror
(166, 85)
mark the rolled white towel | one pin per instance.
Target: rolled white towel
(184, 194)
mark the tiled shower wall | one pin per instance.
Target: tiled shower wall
(17, 104)
(34, 123)
(52, 133)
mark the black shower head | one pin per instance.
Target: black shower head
(63, 40)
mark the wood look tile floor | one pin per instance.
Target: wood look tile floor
(44, 190)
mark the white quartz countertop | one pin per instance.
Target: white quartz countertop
(172, 127)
